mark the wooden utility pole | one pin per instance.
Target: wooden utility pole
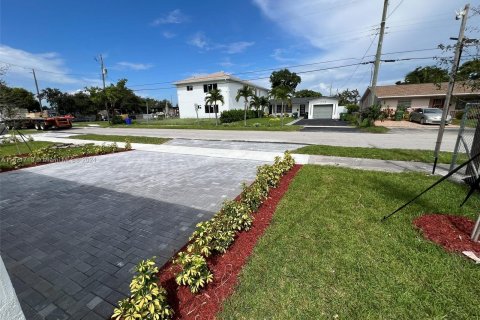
(451, 82)
(373, 87)
(104, 72)
(38, 92)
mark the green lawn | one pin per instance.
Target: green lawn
(261, 124)
(376, 129)
(21, 148)
(326, 254)
(132, 139)
(375, 153)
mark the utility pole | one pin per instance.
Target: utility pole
(451, 82)
(148, 116)
(379, 54)
(38, 92)
(104, 72)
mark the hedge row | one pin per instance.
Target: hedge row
(148, 299)
(233, 115)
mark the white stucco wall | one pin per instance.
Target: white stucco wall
(9, 306)
(229, 89)
(334, 102)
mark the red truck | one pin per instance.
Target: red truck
(43, 121)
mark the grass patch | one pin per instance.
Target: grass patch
(113, 138)
(327, 255)
(9, 149)
(380, 154)
(260, 124)
(375, 129)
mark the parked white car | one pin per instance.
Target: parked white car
(428, 115)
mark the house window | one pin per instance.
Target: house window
(189, 88)
(302, 109)
(438, 103)
(404, 104)
(210, 108)
(279, 108)
(209, 87)
(288, 108)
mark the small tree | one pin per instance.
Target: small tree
(212, 97)
(283, 94)
(258, 103)
(245, 92)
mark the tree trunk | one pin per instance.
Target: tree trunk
(245, 114)
(282, 113)
(215, 110)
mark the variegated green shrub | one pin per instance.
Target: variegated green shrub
(195, 273)
(148, 299)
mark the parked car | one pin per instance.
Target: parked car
(428, 115)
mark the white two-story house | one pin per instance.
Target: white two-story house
(191, 92)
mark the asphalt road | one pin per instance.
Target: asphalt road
(396, 138)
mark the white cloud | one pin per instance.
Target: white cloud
(50, 65)
(168, 34)
(226, 63)
(173, 17)
(199, 40)
(132, 66)
(236, 47)
(279, 55)
(337, 29)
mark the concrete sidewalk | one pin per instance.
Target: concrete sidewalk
(354, 163)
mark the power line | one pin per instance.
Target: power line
(364, 55)
(296, 66)
(320, 69)
(46, 71)
(393, 11)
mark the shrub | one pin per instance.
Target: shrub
(128, 144)
(237, 215)
(252, 196)
(351, 108)
(147, 299)
(270, 174)
(117, 120)
(459, 114)
(201, 239)
(233, 115)
(195, 272)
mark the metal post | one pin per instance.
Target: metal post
(451, 84)
(459, 138)
(378, 54)
(38, 92)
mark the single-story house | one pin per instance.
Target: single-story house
(314, 108)
(191, 93)
(420, 95)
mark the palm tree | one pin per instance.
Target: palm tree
(212, 97)
(283, 94)
(244, 92)
(258, 103)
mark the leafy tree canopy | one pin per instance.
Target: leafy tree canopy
(347, 97)
(428, 74)
(305, 93)
(285, 78)
(18, 98)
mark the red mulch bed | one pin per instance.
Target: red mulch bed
(451, 232)
(225, 268)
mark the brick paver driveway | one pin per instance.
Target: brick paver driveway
(71, 232)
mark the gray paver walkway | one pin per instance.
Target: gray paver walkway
(71, 232)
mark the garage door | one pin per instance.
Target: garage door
(322, 111)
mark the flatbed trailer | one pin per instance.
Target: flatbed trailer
(39, 123)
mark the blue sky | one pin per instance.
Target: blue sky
(161, 41)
